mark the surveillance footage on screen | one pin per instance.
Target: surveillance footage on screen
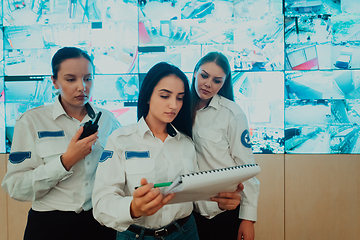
(295, 63)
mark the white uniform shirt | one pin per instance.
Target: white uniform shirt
(35, 172)
(222, 140)
(132, 153)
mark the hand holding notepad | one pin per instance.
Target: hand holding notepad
(206, 184)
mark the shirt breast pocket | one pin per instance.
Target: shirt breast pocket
(209, 135)
(211, 139)
(138, 168)
(50, 150)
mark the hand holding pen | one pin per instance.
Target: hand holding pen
(147, 200)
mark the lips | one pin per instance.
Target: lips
(205, 91)
(81, 97)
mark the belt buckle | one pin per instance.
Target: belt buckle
(161, 232)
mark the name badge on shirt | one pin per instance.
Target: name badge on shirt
(137, 154)
(43, 134)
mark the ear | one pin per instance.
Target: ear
(54, 82)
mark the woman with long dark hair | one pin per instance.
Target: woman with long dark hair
(156, 149)
(221, 137)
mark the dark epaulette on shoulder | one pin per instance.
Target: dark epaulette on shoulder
(30, 110)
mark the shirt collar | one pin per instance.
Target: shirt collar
(144, 128)
(58, 109)
(214, 102)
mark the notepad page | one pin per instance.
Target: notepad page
(206, 184)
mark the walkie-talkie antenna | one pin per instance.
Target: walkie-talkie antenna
(97, 118)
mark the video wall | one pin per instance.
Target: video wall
(296, 64)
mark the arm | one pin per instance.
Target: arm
(246, 230)
(111, 204)
(241, 152)
(28, 177)
(240, 148)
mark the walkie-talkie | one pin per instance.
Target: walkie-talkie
(90, 127)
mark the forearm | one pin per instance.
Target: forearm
(25, 183)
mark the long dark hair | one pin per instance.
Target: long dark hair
(66, 53)
(226, 90)
(182, 122)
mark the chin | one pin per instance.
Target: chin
(169, 119)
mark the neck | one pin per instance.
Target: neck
(75, 112)
(157, 128)
(202, 103)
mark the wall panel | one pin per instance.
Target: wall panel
(322, 197)
(17, 216)
(270, 224)
(3, 201)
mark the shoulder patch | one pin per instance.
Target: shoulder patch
(19, 157)
(245, 139)
(106, 155)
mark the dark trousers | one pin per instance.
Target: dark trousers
(61, 225)
(223, 226)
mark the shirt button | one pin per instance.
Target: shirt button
(86, 184)
(88, 163)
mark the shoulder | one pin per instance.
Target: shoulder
(107, 116)
(104, 112)
(43, 110)
(186, 139)
(124, 131)
(231, 106)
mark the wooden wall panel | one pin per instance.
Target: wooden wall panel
(322, 197)
(17, 216)
(270, 224)
(3, 201)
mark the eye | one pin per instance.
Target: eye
(217, 81)
(88, 79)
(70, 79)
(180, 98)
(204, 75)
(165, 97)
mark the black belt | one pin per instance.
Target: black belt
(161, 232)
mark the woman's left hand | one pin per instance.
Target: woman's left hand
(229, 200)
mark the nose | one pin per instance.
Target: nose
(173, 104)
(208, 83)
(81, 85)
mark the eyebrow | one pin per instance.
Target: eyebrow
(165, 90)
(73, 75)
(214, 77)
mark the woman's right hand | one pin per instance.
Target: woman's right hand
(147, 200)
(78, 149)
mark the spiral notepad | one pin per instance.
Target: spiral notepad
(206, 184)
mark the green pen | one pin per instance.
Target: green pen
(156, 185)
